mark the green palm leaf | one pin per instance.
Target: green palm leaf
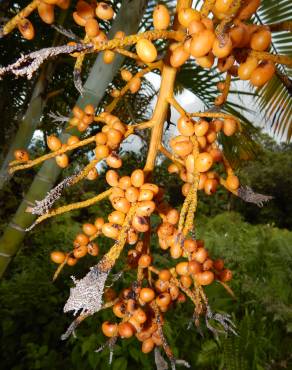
(275, 98)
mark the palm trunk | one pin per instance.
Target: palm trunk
(30, 121)
(100, 76)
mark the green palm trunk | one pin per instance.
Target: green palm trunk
(100, 76)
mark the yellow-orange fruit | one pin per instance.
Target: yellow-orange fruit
(125, 182)
(229, 126)
(63, 4)
(71, 261)
(194, 267)
(54, 143)
(144, 260)
(210, 186)
(89, 229)
(222, 50)
(101, 151)
(81, 239)
(101, 37)
(132, 194)
(164, 275)
(73, 140)
(208, 264)
(225, 275)
(201, 127)
(84, 10)
(116, 217)
(121, 204)
(185, 126)
(237, 35)
(26, 29)
(147, 345)
(245, 69)
(161, 17)
(132, 236)
(140, 224)
(232, 182)
(172, 216)
(182, 268)
(137, 178)
(203, 162)
(62, 160)
(187, 15)
(21, 155)
(114, 161)
(216, 154)
(211, 136)
(262, 74)
(58, 257)
(101, 138)
(79, 20)
(186, 281)
(112, 178)
(115, 93)
(154, 188)
(46, 12)
(190, 245)
(163, 299)
(78, 112)
(202, 43)
(145, 208)
(92, 174)
(179, 56)
(80, 251)
(176, 251)
(92, 27)
(126, 75)
(205, 277)
(145, 194)
(104, 11)
(146, 50)
(183, 148)
(93, 249)
(82, 126)
(185, 189)
(99, 221)
(147, 294)
(110, 230)
(201, 255)
(119, 309)
(108, 56)
(208, 23)
(109, 329)
(134, 84)
(195, 26)
(114, 136)
(248, 8)
(126, 330)
(218, 264)
(207, 61)
(222, 6)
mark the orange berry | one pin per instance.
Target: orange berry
(108, 56)
(116, 217)
(210, 186)
(232, 182)
(185, 126)
(164, 275)
(218, 264)
(91, 27)
(98, 223)
(126, 75)
(203, 162)
(104, 11)
(134, 84)
(126, 330)
(46, 12)
(205, 278)
(202, 43)
(93, 249)
(261, 40)
(62, 160)
(201, 255)
(161, 17)
(147, 295)
(201, 127)
(140, 224)
(54, 143)
(145, 208)
(89, 229)
(58, 257)
(229, 126)
(82, 239)
(26, 29)
(262, 74)
(71, 261)
(182, 268)
(112, 177)
(21, 155)
(179, 56)
(80, 251)
(92, 174)
(121, 204)
(187, 15)
(111, 230)
(146, 50)
(225, 275)
(147, 345)
(137, 178)
(109, 329)
(73, 140)
(132, 194)
(101, 151)
(144, 261)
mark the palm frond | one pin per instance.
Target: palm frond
(275, 98)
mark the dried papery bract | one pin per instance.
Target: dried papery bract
(196, 156)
